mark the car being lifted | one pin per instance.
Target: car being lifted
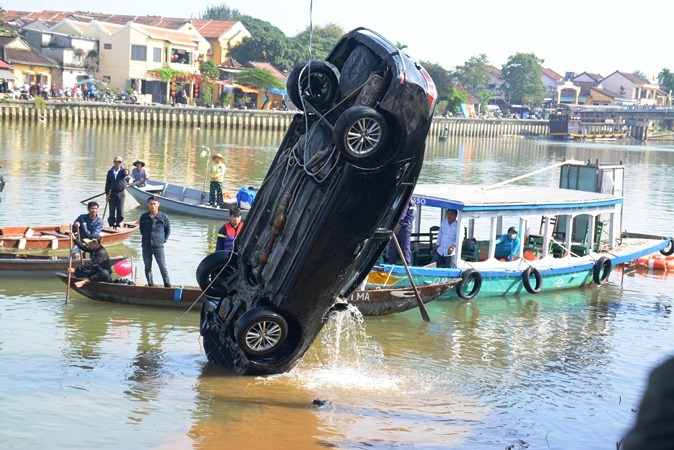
(343, 174)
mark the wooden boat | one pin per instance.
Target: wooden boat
(373, 302)
(379, 302)
(52, 237)
(577, 243)
(182, 200)
(23, 265)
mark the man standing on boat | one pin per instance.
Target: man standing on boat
(508, 245)
(217, 174)
(98, 268)
(155, 228)
(229, 231)
(115, 183)
(403, 232)
(445, 246)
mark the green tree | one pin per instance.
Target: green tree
(259, 79)
(266, 44)
(456, 98)
(323, 40)
(666, 80)
(522, 75)
(473, 74)
(208, 69)
(442, 79)
(641, 75)
(221, 12)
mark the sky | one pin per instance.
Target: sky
(597, 36)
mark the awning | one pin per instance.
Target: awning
(6, 75)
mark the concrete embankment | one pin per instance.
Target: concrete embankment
(104, 113)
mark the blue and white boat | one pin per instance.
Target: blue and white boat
(570, 235)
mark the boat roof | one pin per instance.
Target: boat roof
(514, 199)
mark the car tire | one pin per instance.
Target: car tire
(360, 133)
(215, 272)
(260, 331)
(315, 83)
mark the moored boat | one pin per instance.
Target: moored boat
(182, 200)
(370, 302)
(54, 237)
(577, 243)
(24, 265)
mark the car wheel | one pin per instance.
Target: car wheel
(315, 83)
(360, 133)
(216, 272)
(260, 331)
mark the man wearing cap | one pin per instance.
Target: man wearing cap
(229, 231)
(139, 174)
(115, 183)
(217, 175)
(98, 268)
(155, 229)
(508, 245)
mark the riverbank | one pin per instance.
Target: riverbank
(196, 117)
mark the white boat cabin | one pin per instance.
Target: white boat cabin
(584, 214)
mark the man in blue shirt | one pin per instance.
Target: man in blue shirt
(507, 245)
(155, 228)
(87, 224)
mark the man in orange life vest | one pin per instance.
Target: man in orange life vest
(229, 231)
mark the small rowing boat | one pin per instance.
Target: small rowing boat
(182, 200)
(23, 265)
(370, 302)
(54, 237)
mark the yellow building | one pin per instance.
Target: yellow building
(29, 67)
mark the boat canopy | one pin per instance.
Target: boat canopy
(513, 200)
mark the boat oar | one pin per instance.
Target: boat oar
(107, 200)
(91, 198)
(422, 307)
(70, 266)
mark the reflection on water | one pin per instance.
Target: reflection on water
(561, 370)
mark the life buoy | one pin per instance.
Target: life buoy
(526, 280)
(467, 277)
(669, 249)
(601, 270)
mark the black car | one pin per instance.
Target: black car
(343, 174)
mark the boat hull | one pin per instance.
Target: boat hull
(369, 302)
(22, 265)
(181, 200)
(50, 237)
(500, 279)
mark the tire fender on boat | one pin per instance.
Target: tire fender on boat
(526, 280)
(601, 270)
(669, 249)
(466, 277)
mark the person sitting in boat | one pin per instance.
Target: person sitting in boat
(98, 268)
(403, 232)
(139, 174)
(229, 231)
(507, 245)
(443, 250)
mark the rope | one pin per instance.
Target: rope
(175, 324)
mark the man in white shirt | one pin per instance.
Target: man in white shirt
(445, 246)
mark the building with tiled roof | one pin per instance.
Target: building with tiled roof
(28, 65)
(631, 88)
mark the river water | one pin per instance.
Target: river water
(563, 370)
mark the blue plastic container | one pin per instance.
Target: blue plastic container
(178, 294)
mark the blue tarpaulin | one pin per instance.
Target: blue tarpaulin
(282, 92)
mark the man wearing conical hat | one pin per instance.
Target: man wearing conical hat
(217, 174)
